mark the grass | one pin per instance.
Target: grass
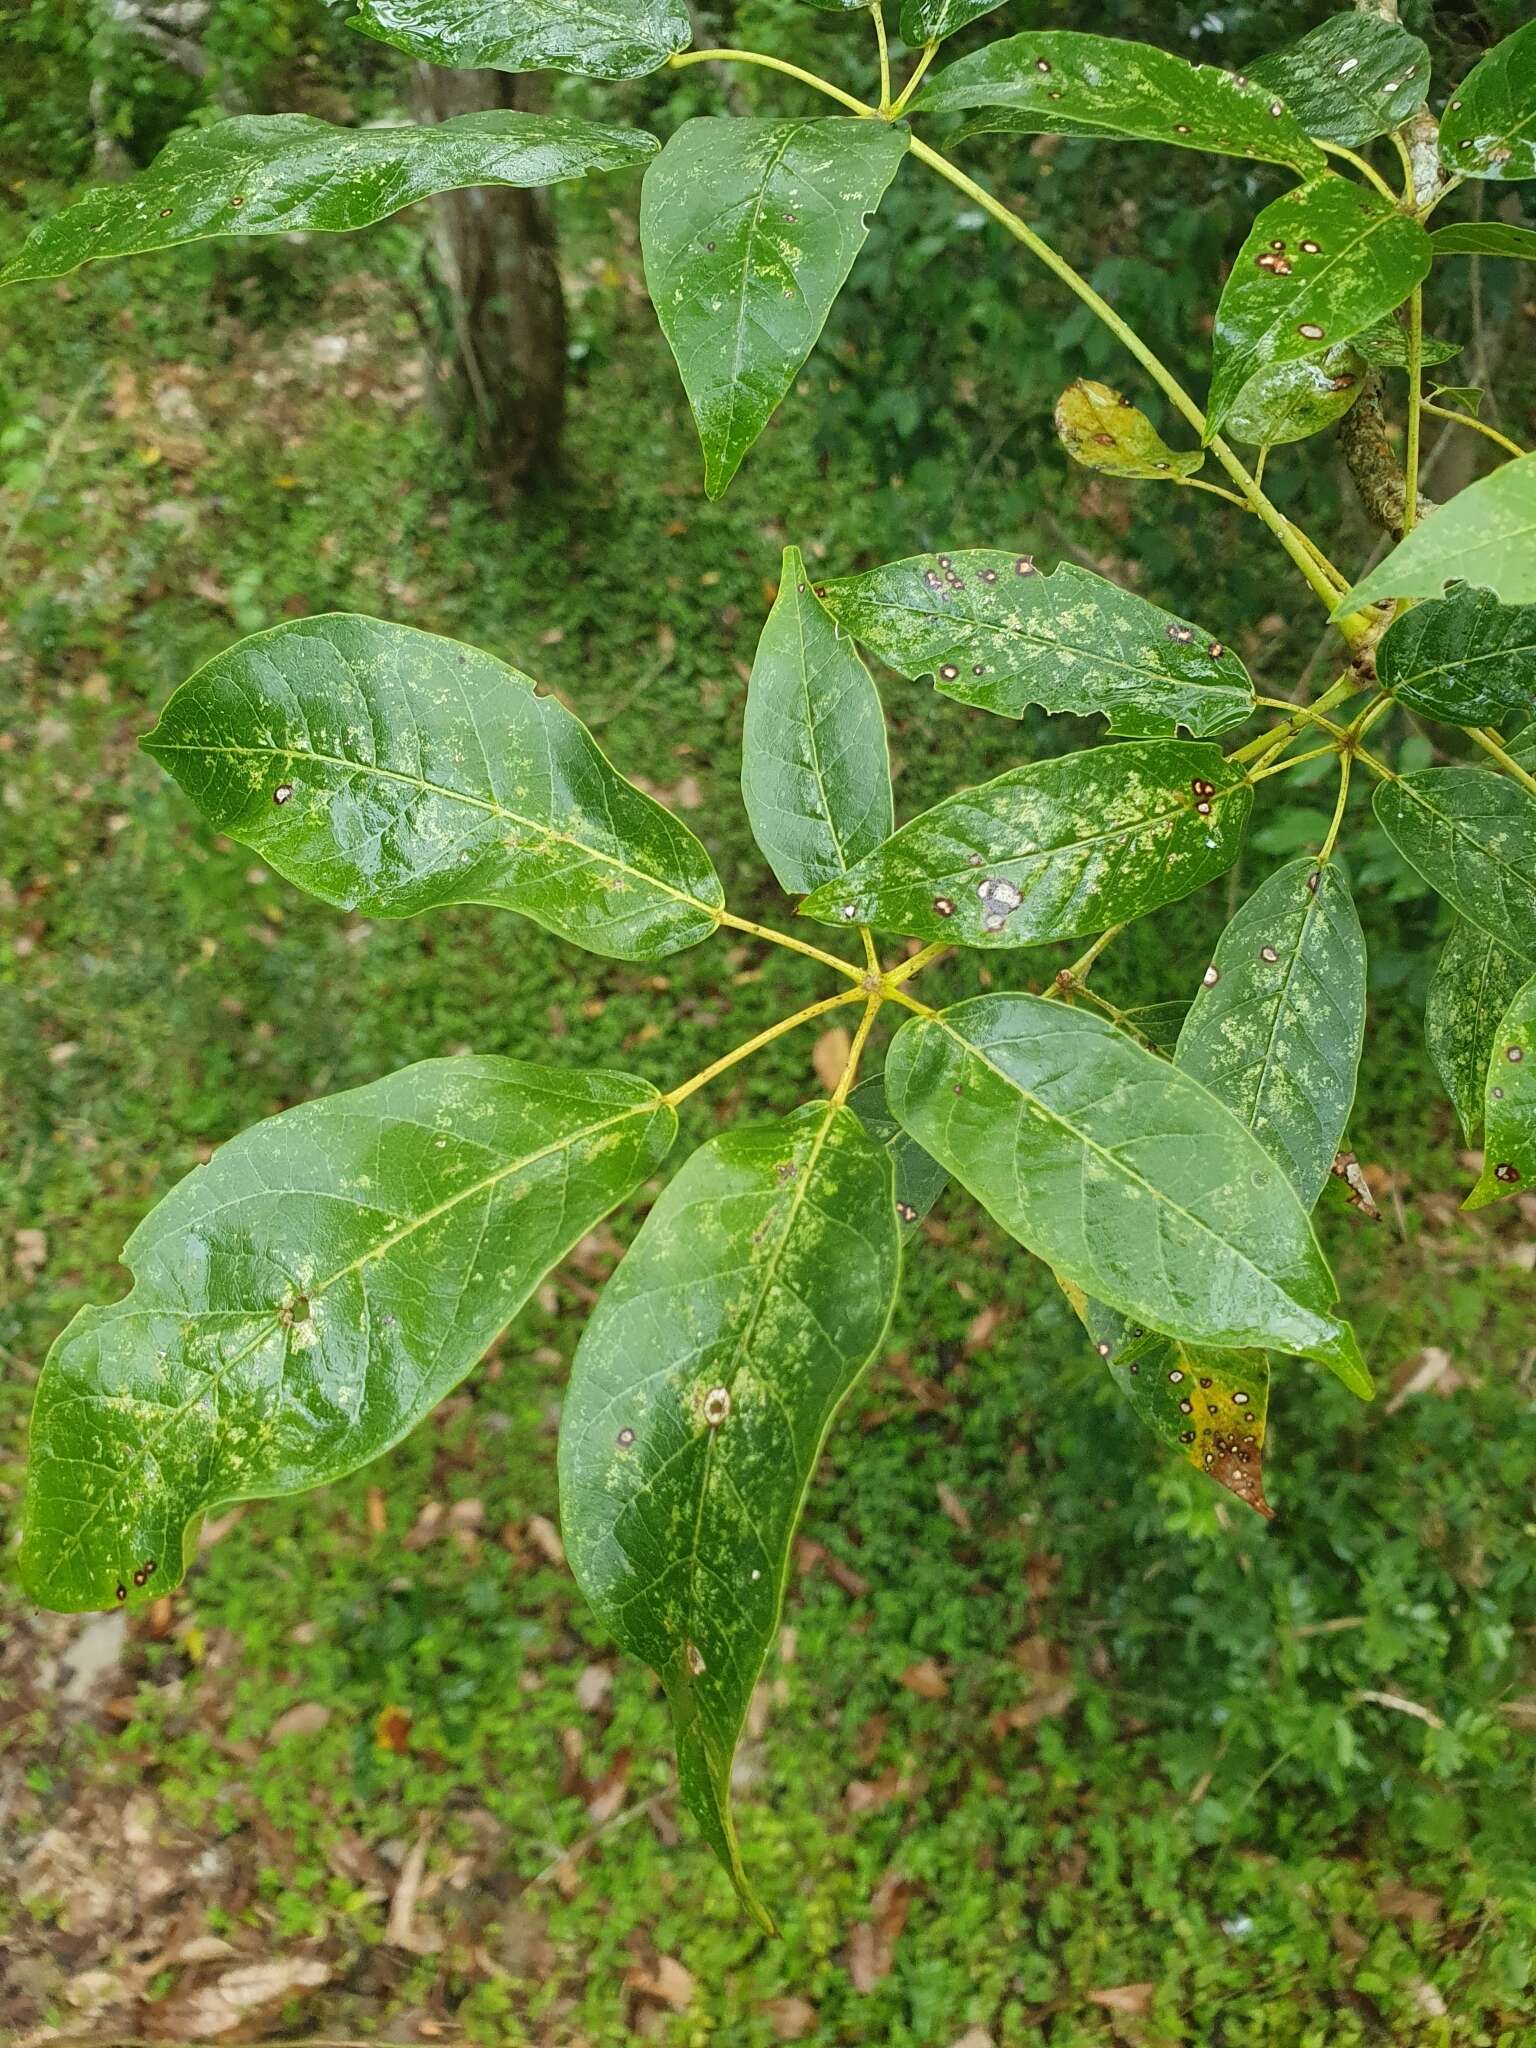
(1266, 1784)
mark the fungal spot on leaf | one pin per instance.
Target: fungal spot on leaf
(1515, 1053)
(1103, 1349)
(1025, 566)
(1313, 881)
(906, 1212)
(1175, 1377)
(1268, 954)
(1182, 634)
(933, 579)
(122, 1590)
(165, 213)
(1215, 650)
(695, 1659)
(1309, 330)
(949, 671)
(1186, 1407)
(944, 906)
(238, 200)
(1506, 1173)
(625, 1439)
(717, 1406)
(946, 562)
(1313, 248)
(849, 912)
(1347, 66)
(1000, 898)
(282, 793)
(989, 575)
(1042, 65)
(139, 1576)
(1211, 976)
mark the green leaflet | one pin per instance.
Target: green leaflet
(269, 174)
(992, 631)
(757, 1291)
(1486, 535)
(1056, 82)
(1385, 347)
(1465, 658)
(1351, 79)
(300, 1302)
(1125, 1175)
(1052, 850)
(1472, 836)
(1321, 263)
(1484, 238)
(1278, 1025)
(1209, 1407)
(1289, 401)
(920, 1180)
(749, 229)
(1509, 1153)
(598, 38)
(1473, 982)
(1489, 128)
(388, 771)
(930, 21)
(815, 768)
(1156, 1024)
(1103, 430)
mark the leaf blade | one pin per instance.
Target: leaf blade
(1466, 658)
(1485, 238)
(1486, 535)
(1474, 981)
(595, 38)
(1351, 79)
(1489, 128)
(931, 21)
(1472, 836)
(1509, 1114)
(278, 1333)
(1103, 430)
(388, 770)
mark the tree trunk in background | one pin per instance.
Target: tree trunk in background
(497, 282)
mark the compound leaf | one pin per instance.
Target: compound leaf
(1289, 401)
(1471, 988)
(1485, 535)
(1465, 658)
(1485, 238)
(749, 229)
(1509, 1152)
(930, 21)
(270, 174)
(1277, 1027)
(387, 771)
(1351, 79)
(301, 1301)
(1058, 82)
(1126, 1176)
(994, 632)
(1053, 849)
(1102, 430)
(597, 38)
(755, 1294)
(1472, 836)
(815, 768)
(1489, 128)
(920, 1180)
(1209, 1407)
(1321, 263)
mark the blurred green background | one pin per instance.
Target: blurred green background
(1060, 1746)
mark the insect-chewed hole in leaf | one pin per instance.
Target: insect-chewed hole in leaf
(1182, 634)
(295, 1310)
(122, 1590)
(1025, 566)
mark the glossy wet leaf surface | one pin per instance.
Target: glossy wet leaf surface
(1351, 79)
(1278, 1024)
(387, 771)
(757, 1291)
(1488, 129)
(1385, 346)
(301, 1301)
(993, 631)
(920, 1180)
(930, 21)
(272, 174)
(1125, 1175)
(1101, 429)
(1474, 981)
(1465, 658)
(597, 38)
(1053, 850)
(1208, 1406)
(749, 229)
(1059, 82)
(1321, 263)
(815, 769)
(1509, 1113)
(1289, 401)
(1472, 835)
(1485, 535)
(1485, 238)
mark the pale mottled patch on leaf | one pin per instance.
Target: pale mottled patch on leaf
(1465, 659)
(1509, 1113)
(1351, 79)
(1288, 401)
(1489, 128)
(1472, 835)
(1474, 980)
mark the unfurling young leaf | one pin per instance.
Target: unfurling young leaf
(1485, 535)
(1057, 82)
(1289, 401)
(993, 632)
(1277, 1027)
(1465, 658)
(1122, 1173)
(1210, 1407)
(388, 771)
(1350, 80)
(920, 1180)
(1472, 835)
(754, 1296)
(597, 38)
(1052, 850)
(1103, 430)
(301, 1302)
(930, 21)
(1321, 264)
(1471, 988)
(1489, 128)
(1509, 1113)
(815, 767)
(271, 174)
(749, 229)
(1485, 238)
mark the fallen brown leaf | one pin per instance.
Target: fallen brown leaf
(925, 1679)
(1131, 1998)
